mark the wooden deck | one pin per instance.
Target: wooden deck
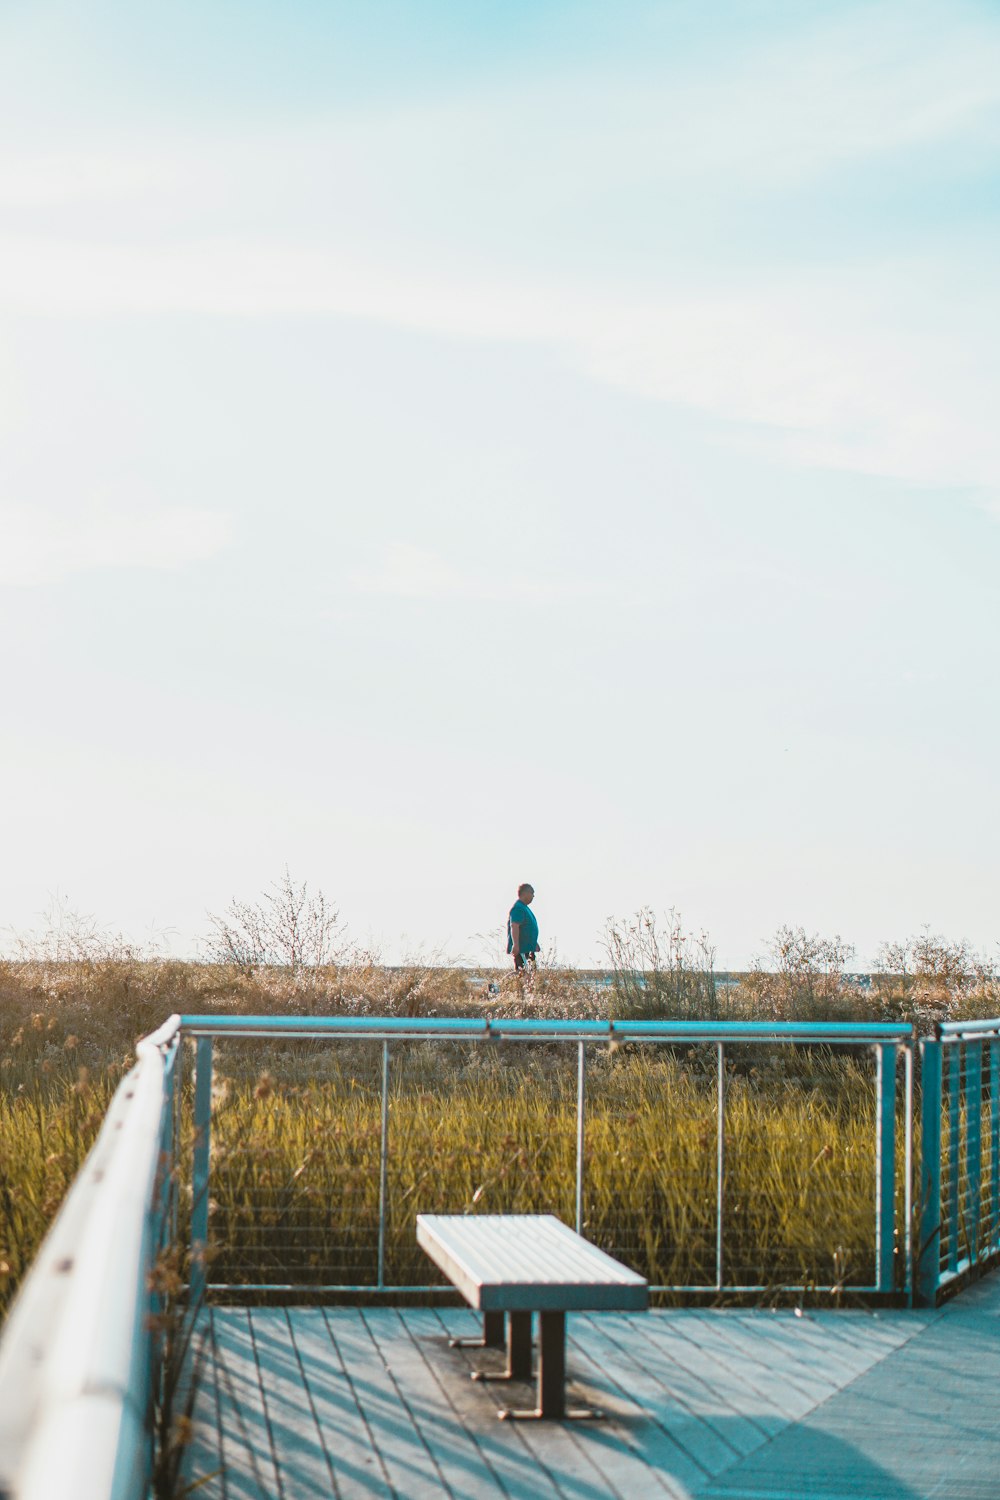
(297, 1403)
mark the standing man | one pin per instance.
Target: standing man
(522, 929)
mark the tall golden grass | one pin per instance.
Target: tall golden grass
(295, 1173)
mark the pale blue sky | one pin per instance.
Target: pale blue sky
(444, 445)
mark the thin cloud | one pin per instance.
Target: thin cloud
(834, 370)
(771, 104)
(862, 369)
(865, 364)
(406, 572)
(39, 547)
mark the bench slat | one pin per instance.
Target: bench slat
(509, 1262)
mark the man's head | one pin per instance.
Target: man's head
(526, 893)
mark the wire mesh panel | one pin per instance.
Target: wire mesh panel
(800, 1200)
(481, 1128)
(961, 1156)
(960, 1172)
(971, 1155)
(649, 1181)
(294, 1187)
(709, 1164)
(951, 1148)
(990, 1196)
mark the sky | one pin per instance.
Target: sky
(448, 445)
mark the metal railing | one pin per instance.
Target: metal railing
(79, 1351)
(959, 1189)
(889, 1256)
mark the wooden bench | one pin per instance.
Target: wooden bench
(519, 1264)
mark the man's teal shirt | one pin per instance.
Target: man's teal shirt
(523, 914)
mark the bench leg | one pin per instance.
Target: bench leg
(552, 1366)
(493, 1334)
(519, 1345)
(551, 1376)
(518, 1350)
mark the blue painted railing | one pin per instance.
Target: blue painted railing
(892, 1159)
(959, 1185)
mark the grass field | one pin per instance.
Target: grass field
(296, 1132)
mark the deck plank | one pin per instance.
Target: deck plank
(772, 1403)
(701, 1405)
(559, 1450)
(777, 1356)
(465, 1467)
(717, 1399)
(408, 1462)
(246, 1442)
(825, 1346)
(863, 1329)
(814, 1350)
(552, 1445)
(609, 1342)
(203, 1463)
(915, 1425)
(615, 1386)
(343, 1425)
(300, 1457)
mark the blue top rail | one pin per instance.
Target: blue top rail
(459, 1028)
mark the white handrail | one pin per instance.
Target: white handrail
(75, 1354)
(950, 1031)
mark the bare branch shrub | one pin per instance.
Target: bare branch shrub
(931, 978)
(802, 978)
(285, 928)
(68, 936)
(660, 970)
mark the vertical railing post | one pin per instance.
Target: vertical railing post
(166, 1229)
(929, 1239)
(580, 1117)
(908, 1169)
(885, 1169)
(974, 1145)
(383, 1164)
(175, 1144)
(200, 1166)
(994, 1062)
(720, 1162)
(953, 1057)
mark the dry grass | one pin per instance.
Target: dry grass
(487, 1123)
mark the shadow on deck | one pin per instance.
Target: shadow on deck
(303, 1402)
